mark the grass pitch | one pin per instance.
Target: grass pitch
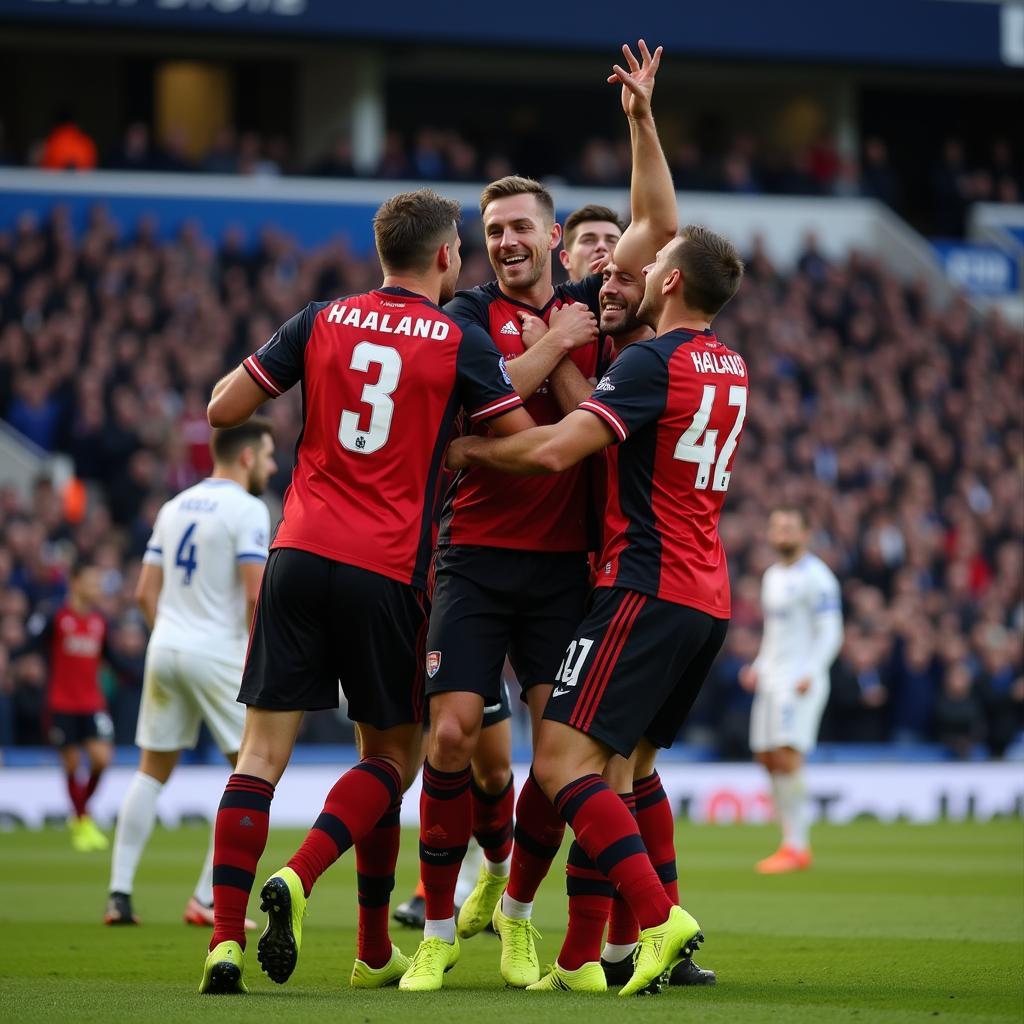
(895, 923)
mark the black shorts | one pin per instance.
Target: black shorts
(489, 602)
(634, 669)
(319, 622)
(69, 730)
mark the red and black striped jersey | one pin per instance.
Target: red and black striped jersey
(529, 513)
(676, 405)
(384, 376)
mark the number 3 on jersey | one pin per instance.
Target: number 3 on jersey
(377, 396)
(690, 447)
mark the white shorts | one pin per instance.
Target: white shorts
(180, 691)
(785, 718)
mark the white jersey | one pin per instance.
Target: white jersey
(803, 624)
(199, 539)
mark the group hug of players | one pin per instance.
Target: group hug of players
(577, 536)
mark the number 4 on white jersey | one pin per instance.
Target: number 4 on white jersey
(690, 447)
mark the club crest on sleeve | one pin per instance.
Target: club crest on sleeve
(433, 663)
(504, 376)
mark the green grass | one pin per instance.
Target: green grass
(895, 923)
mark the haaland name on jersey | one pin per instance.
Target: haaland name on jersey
(371, 320)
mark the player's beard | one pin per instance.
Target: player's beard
(524, 279)
(787, 551)
(628, 323)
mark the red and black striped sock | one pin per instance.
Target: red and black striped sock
(538, 835)
(354, 805)
(446, 820)
(94, 780)
(609, 835)
(658, 829)
(590, 898)
(376, 857)
(76, 794)
(492, 820)
(240, 836)
(622, 927)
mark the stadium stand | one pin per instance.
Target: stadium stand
(897, 423)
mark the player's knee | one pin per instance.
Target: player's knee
(492, 778)
(100, 757)
(452, 742)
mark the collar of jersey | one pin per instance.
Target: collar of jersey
(539, 310)
(404, 292)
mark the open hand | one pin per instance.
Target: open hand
(638, 81)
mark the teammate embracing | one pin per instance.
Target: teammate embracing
(675, 407)
(384, 375)
(511, 570)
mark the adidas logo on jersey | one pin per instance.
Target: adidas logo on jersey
(605, 385)
(509, 328)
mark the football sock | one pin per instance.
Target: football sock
(446, 820)
(135, 822)
(468, 873)
(204, 887)
(376, 857)
(94, 780)
(240, 837)
(590, 898)
(76, 793)
(658, 830)
(492, 824)
(608, 834)
(538, 835)
(791, 806)
(623, 930)
(353, 807)
(514, 908)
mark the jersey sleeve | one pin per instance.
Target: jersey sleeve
(825, 601)
(587, 291)
(279, 364)
(632, 393)
(253, 533)
(154, 553)
(485, 388)
(468, 307)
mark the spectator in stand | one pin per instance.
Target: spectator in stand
(950, 190)
(222, 157)
(338, 161)
(959, 719)
(878, 179)
(67, 147)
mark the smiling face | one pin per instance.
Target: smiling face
(519, 241)
(590, 240)
(621, 295)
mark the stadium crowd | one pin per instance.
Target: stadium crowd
(897, 424)
(739, 164)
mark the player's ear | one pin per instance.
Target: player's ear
(444, 256)
(673, 281)
(556, 236)
(564, 258)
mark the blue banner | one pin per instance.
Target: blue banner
(941, 33)
(980, 270)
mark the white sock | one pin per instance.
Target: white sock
(615, 953)
(444, 929)
(513, 908)
(468, 872)
(791, 803)
(500, 868)
(135, 822)
(204, 887)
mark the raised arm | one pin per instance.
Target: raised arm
(652, 197)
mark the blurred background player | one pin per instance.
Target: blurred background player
(74, 642)
(197, 590)
(588, 236)
(803, 633)
(384, 374)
